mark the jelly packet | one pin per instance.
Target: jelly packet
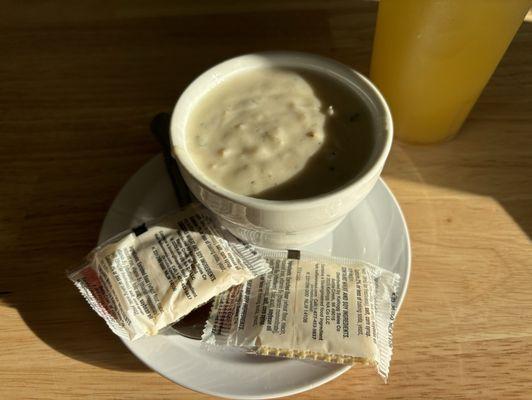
(143, 280)
(310, 307)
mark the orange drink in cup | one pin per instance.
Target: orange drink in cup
(432, 58)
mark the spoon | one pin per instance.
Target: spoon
(192, 325)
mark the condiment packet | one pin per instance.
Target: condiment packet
(310, 307)
(139, 282)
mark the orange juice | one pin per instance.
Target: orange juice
(432, 58)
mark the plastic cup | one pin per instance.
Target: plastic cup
(432, 58)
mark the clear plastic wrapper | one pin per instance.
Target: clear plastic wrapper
(310, 307)
(143, 280)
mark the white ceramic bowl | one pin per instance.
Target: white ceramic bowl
(282, 224)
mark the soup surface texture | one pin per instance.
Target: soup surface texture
(280, 134)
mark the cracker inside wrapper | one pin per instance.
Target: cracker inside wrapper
(310, 307)
(143, 280)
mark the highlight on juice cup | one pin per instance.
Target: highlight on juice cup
(432, 58)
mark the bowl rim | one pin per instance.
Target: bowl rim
(289, 58)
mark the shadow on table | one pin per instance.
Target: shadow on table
(490, 157)
(57, 314)
(108, 78)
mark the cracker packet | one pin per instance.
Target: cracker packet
(143, 280)
(310, 307)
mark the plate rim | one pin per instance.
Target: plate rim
(322, 380)
(408, 246)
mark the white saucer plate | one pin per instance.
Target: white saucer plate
(375, 231)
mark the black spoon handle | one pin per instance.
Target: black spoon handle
(160, 127)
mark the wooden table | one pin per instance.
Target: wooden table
(79, 85)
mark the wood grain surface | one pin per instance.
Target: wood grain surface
(79, 83)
